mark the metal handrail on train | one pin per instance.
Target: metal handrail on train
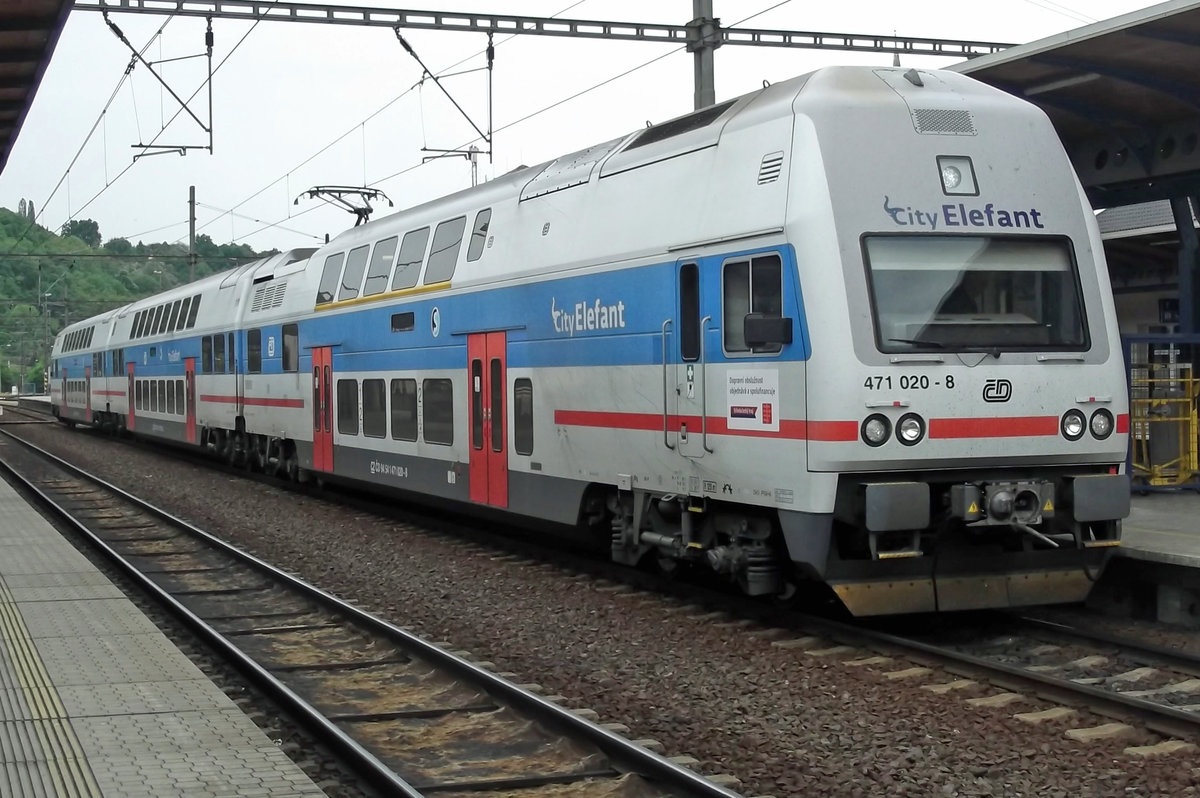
(666, 419)
(704, 386)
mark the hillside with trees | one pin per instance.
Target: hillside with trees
(48, 280)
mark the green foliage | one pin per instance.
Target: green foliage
(48, 281)
(86, 230)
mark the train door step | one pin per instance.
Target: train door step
(912, 549)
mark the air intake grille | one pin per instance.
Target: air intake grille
(771, 166)
(267, 296)
(947, 121)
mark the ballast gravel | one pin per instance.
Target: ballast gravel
(784, 721)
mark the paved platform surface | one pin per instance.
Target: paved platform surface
(96, 701)
(1163, 527)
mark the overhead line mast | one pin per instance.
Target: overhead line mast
(701, 36)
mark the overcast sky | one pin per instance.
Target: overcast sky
(288, 93)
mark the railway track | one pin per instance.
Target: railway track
(1152, 689)
(414, 718)
(1131, 683)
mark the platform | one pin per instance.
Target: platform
(96, 701)
(1163, 527)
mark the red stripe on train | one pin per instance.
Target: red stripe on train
(993, 427)
(653, 422)
(252, 401)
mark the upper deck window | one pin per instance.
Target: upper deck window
(443, 255)
(479, 234)
(982, 293)
(329, 278)
(356, 264)
(412, 255)
(381, 267)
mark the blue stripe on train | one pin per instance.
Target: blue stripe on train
(609, 319)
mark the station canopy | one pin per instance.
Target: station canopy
(29, 30)
(1124, 96)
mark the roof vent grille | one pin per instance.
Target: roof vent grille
(947, 121)
(771, 166)
(268, 296)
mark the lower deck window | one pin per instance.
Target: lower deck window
(347, 407)
(374, 399)
(404, 409)
(437, 411)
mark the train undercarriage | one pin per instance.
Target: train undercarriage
(917, 545)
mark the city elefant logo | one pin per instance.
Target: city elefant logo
(587, 316)
(997, 390)
(958, 215)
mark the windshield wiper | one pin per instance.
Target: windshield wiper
(919, 342)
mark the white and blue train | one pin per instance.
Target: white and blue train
(854, 328)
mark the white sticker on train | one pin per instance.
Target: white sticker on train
(752, 399)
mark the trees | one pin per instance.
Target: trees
(86, 230)
(118, 246)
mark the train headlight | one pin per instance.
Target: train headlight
(875, 430)
(958, 175)
(910, 429)
(1073, 425)
(951, 177)
(1101, 424)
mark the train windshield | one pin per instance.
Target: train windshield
(982, 293)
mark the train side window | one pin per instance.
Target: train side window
(254, 351)
(750, 286)
(89, 335)
(404, 410)
(381, 266)
(689, 311)
(437, 411)
(356, 263)
(522, 409)
(180, 404)
(403, 322)
(183, 312)
(152, 389)
(374, 398)
(443, 255)
(329, 278)
(173, 324)
(291, 347)
(170, 403)
(219, 354)
(135, 330)
(159, 320)
(408, 264)
(206, 355)
(347, 407)
(479, 234)
(477, 404)
(191, 322)
(230, 362)
(162, 395)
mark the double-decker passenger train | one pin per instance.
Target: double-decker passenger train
(853, 328)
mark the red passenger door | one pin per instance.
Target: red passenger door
(323, 409)
(87, 394)
(189, 392)
(489, 425)
(132, 399)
